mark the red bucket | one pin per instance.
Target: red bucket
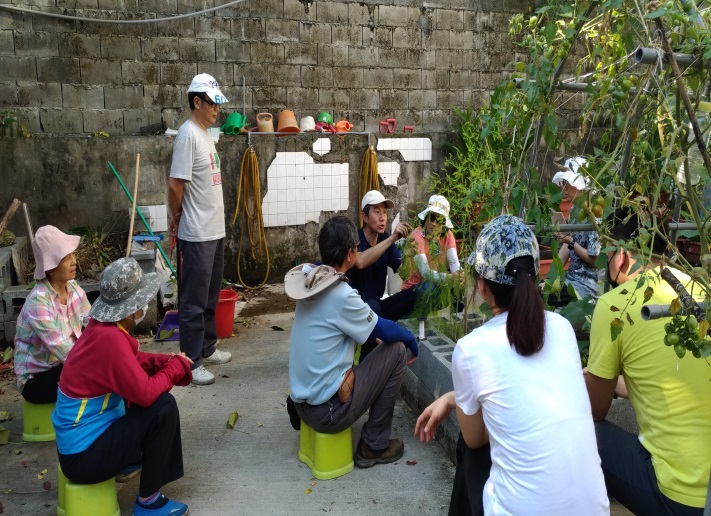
(225, 313)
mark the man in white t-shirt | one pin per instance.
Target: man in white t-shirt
(328, 391)
(195, 200)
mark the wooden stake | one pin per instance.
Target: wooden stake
(9, 213)
(30, 233)
(133, 208)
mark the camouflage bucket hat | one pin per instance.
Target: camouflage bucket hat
(124, 290)
(504, 238)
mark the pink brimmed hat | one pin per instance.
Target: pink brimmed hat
(50, 246)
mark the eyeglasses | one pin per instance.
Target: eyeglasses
(207, 100)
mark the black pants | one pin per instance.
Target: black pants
(149, 436)
(394, 307)
(629, 474)
(42, 387)
(473, 468)
(200, 270)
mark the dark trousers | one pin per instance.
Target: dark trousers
(629, 474)
(473, 468)
(377, 382)
(42, 387)
(149, 436)
(200, 270)
(394, 307)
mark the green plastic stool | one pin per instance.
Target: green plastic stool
(328, 455)
(86, 499)
(38, 422)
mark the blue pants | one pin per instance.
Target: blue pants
(200, 267)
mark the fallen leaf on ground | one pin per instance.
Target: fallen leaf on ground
(4, 435)
(277, 328)
(313, 484)
(259, 423)
(410, 462)
(7, 355)
(41, 474)
(17, 452)
(47, 485)
(4, 415)
(308, 491)
(232, 420)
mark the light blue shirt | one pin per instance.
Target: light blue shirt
(326, 329)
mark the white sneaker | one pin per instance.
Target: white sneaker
(202, 376)
(218, 357)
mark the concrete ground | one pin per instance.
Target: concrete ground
(253, 468)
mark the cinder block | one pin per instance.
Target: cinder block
(36, 44)
(311, 32)
(161, 49)
(333, 98)
(212, 27)
(118, 97)
(267, 9)
(406, 78)
(8, 94)
(435, 79)
(82, 96)
(392, 16)
(161, 96)
(299, 10)
(177, 73)
(393, 99)
(361, 56)
(105, 120)
(13, 297)
(346, 35)
(15, 21)
(378, 36)
(437, 119)
(280, 31)
(160, 6)
(407, 37)
(249, 29)
(61, 120)
(255, 74)
(18, 68)
(274, 98)
(184, 28)
(301, 53)
(79, 45)
(422, 99)
(100, 71)
(262, 52)
(235, 51)
(362, 14)
(331, 12)
(449, 98)
(7, 43)
(461, 39)
(380, 78)
(39, 94)
(121, 47)
(29, 119)
(135, 119)
(133, 72)
(284, 75)
(352, 77)
(5, 269)
(391, 57)
(333, 55)
(436, 39)
(197, 49)
(306, 98)
(364, 99)
(224, 74)
(316, 76)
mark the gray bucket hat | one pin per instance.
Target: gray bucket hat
(124, 290)
(504, 238)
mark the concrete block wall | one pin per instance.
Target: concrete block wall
(360, 60)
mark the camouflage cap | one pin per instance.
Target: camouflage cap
(124, 289)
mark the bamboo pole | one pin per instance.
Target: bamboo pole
(9, 214)
(133, 208)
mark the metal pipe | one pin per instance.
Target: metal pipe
(648, 56)
(650, 312)
(590, 227)
(244, 86)
(566, 86)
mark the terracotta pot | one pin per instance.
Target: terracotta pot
(287, 122)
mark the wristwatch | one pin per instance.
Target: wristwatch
(571, 246)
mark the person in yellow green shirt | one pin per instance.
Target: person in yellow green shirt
(665, 469)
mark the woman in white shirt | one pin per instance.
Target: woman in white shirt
(518, 388)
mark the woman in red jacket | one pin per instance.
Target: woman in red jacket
(113, 406)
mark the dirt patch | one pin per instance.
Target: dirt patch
(269, 299)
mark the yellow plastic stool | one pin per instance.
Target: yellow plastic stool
(86, 499)
(38, 422)
(328, 455)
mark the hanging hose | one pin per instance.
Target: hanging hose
(369, 179)
(249, 192)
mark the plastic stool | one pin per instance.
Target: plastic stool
(328, 455)
(38, 422)
(86, 499)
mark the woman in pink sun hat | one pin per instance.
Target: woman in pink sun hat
(52, 318)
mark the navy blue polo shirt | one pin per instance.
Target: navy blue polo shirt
(370, 282)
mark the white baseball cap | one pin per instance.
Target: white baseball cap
(206, 83)
(375, 197)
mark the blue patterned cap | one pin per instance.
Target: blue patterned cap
(504, 238)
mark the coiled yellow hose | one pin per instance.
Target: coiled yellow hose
(249, 192)
(369, 179)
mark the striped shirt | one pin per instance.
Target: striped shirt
(44, 336)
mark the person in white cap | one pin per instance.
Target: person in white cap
(581, 247)
(198, 221)
(51, 318)
(376, 252)
(436, 256)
